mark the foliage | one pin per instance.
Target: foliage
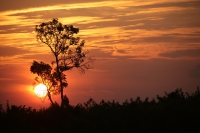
(68, 52)
(47, 77)
(174, 112)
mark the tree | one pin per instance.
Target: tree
(68, 52)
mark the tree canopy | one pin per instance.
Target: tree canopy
(68, 52)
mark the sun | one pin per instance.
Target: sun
(40, 90)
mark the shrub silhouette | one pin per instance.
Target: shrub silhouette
(174, 112)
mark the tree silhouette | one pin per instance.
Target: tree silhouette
(68, 52)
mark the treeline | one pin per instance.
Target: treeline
(174, 112)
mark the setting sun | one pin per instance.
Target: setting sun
(40, 90)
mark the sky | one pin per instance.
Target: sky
(142, 48)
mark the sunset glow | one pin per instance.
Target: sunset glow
(40, 90)
(142, 48)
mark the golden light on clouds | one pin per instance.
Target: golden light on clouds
(118, 30)
(165, 9)
(69, 7)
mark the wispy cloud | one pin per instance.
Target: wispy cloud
(194, 53)
(121, 28)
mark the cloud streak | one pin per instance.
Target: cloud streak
(195, 53)
(134, 28)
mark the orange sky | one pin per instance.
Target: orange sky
(142, 48)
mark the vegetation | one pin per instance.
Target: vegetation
(174, 112)
(68, 52)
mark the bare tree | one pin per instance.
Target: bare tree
(68, 52)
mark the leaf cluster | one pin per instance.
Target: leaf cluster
(57, 36)
(47, 76)
(66, 48)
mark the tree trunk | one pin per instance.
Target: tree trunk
(49, 96)
(60, 79)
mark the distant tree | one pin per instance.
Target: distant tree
(68, 52)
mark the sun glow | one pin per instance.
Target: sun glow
(40, 90)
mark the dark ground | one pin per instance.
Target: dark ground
(176, 112)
